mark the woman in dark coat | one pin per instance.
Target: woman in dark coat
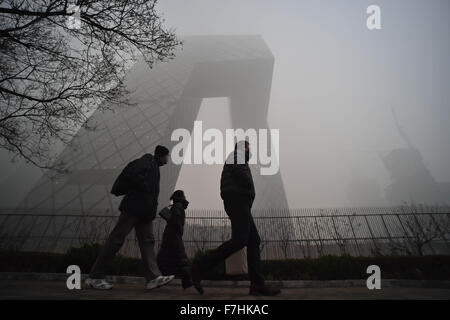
(172, 258)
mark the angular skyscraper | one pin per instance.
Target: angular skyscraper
(164, 98)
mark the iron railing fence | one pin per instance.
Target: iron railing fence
(285, 234)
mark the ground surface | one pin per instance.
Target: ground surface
(44, 289)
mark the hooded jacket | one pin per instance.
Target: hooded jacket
(172, 247)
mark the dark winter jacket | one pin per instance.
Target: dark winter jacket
(142, 200)
(172, 246)
(236, 179)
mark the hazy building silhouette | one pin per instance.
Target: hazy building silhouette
(165, 98)
(412, 181)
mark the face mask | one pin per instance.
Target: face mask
(247, 156)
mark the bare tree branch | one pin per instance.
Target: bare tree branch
(53, 75)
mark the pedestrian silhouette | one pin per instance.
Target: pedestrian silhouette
(172, 258)
(237, 191)
(139, 182)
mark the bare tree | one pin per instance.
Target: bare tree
(420, 230)
(285, 231)
(337, 233)
(320, 247)
(54, 72)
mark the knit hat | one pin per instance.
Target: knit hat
(161, 151)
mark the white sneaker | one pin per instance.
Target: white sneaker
(99, 284)
(159, 281)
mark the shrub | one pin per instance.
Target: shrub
(436, 267)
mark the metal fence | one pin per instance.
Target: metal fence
(285, 234)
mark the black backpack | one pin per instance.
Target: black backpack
(124, 182)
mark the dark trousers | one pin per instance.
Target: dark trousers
(146, 240)
(243, 233)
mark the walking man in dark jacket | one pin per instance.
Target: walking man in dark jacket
(238, 193)
(140, 183)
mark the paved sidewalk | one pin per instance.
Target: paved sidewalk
(51, 289)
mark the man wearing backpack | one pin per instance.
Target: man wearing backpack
(139, 182)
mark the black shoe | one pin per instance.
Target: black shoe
(196, 277)
(186, 284)
(263, 291)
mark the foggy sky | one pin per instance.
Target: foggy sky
(334, 82)
(333, 85)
